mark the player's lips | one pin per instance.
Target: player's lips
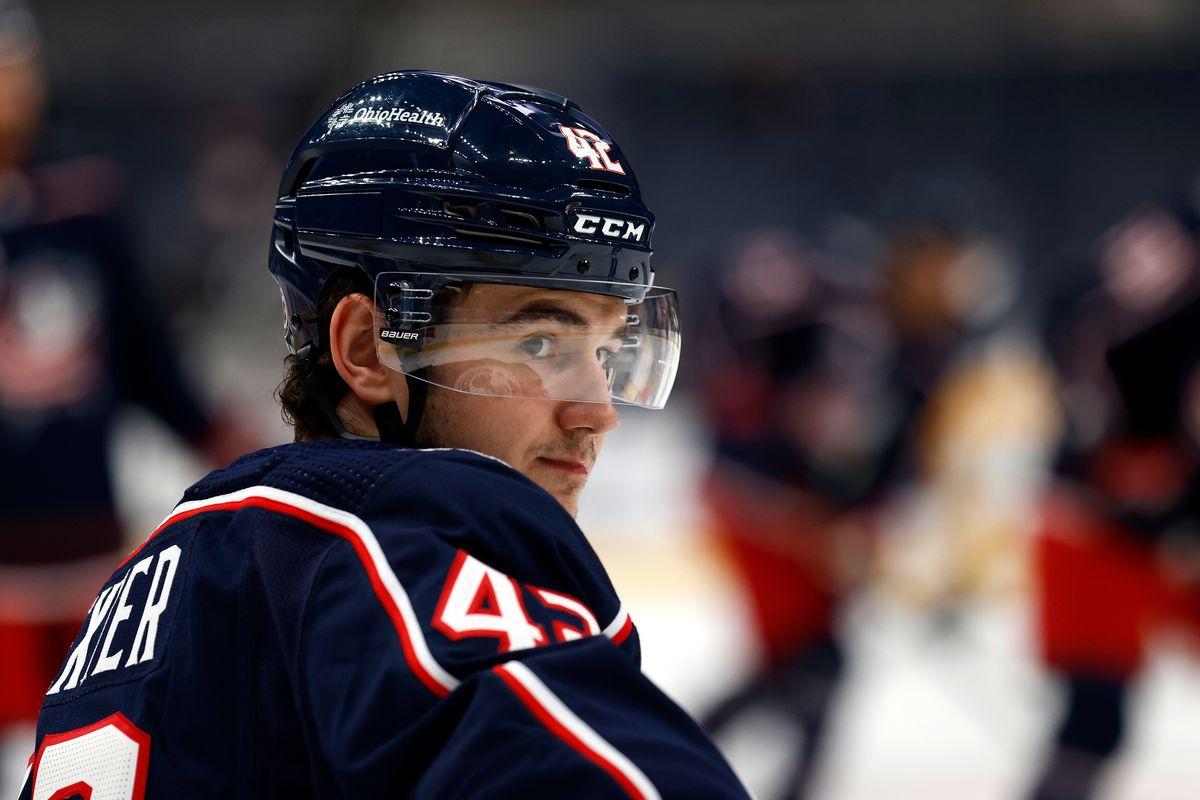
(566, 464)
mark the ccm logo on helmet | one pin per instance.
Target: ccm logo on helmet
(612, 227)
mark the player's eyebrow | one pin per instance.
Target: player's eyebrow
(550, 311)
(544, 310)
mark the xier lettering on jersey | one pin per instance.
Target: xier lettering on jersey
(122, 628)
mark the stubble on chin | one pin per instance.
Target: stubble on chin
(567, 493)
(437, 429)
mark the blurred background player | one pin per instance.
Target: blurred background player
(78, 340)
(805, 423)
(877, 423)
(1116, 553)
(978, 417)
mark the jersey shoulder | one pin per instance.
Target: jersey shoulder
(337, 473)
(472, 562)
(462, 498)
(414, 512)
(365, 477)
(474, 502)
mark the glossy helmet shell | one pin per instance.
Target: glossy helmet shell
(428, 172)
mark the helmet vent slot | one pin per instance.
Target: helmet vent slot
(497, 236)
(521, 219)
(604, 186)
(457, 210)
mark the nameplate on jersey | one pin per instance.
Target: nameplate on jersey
(125, 626)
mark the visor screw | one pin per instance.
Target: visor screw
(634, 273)
(584, 266)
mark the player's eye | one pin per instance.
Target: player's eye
(607, 359)
(537, 346)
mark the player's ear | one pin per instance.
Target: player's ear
(352, 346)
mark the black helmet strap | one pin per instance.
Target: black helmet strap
(306, 366)
(394, 428)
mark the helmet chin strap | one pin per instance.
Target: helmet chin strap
(306, 364)
(395, 429)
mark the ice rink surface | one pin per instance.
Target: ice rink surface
(931, 710)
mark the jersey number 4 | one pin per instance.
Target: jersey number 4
(478, 600)
(106, 760)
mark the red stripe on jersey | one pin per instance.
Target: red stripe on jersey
(623, 634)
(547, 718)
(339, 530)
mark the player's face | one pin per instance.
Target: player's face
(554, 443)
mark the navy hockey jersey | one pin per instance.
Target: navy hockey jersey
(350, 619)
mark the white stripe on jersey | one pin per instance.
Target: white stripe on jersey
(364, 534)
(555, 707)
(618, 622)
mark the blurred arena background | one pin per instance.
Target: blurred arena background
(952, 171)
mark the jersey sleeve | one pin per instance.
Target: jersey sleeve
(472, 646)
(574, 720)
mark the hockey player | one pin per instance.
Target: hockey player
(806, 425)
(366, 612)
(1116, 553)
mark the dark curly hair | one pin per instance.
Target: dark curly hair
(298, 405)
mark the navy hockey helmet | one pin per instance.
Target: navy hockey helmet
(428, 182)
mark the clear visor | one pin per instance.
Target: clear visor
(559, 339)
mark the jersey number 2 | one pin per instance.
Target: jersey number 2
(106, 760)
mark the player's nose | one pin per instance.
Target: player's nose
(597, 417)
(591, 405)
